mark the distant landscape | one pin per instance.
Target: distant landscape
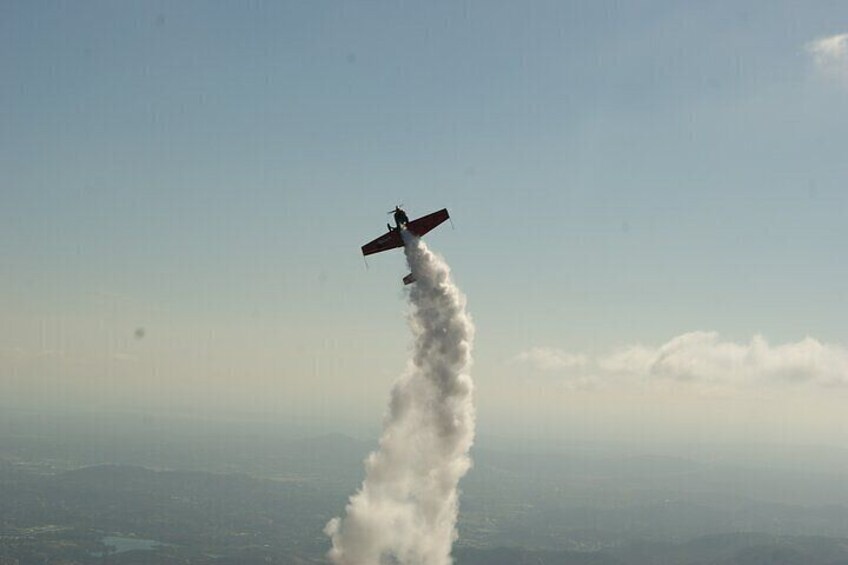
(124, 488)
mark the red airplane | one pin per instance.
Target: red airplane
(393, 239)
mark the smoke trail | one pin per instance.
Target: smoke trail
(406, 510)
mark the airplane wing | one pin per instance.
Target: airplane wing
(425, 223)
(388, 240)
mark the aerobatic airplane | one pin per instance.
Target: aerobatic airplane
(393, 239)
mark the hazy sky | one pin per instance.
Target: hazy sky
(649, 200)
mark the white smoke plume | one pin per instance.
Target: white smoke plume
(406, 510)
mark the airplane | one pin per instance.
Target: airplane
(393, 239)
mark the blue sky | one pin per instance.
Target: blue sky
(618, 173)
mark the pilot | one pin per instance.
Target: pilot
(401, 219)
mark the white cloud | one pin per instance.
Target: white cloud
(631, 359)
(703, 357)
(830, 56)
(551, 359)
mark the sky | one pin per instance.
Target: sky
(648, 203)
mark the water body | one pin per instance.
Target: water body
(120, 545)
